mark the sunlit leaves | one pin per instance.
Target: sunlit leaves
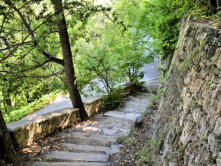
(113, 54)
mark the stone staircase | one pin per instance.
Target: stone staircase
(92, 143)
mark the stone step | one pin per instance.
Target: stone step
(38, 163)
(85, 148)
(94, 136)
(71, 156)
(113, 122)
(89, 141)
(122, 115)
(139, 101)
(106, 122)
(135, 105)
(131, 110)
(115, 131)
(142, 96)
(108, 130)
(86, 129)
(139, 97)
(133, 99)
(88, 149)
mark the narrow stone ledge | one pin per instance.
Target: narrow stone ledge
(93, 105)
(26, 131)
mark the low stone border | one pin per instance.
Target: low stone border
(93, 105)
(26, 131)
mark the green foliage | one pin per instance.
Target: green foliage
(161, 21)
(33, 106)
(144, 157)
(99, 60)
(24, 70)
(114, 99)
(113, 50)
(147, 155)
(108, 44)
(123, 139)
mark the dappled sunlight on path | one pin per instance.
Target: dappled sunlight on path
(93, 142)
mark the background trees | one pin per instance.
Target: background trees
(161, 20)
(102, 38)
(31, 58)
(31, 47)
(40, 39)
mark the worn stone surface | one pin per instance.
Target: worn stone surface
(123, 115)
(88, 148)
(73, 156)
(152, 85)
(93, 142)
(189, 115)
(69, 164)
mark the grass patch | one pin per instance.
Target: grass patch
(36, 105)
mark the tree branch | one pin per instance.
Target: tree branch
(37, 66)
(56, 60)
(46, 76)
(33, 76)
(51, 58)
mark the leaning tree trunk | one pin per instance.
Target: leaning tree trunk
(68, 62)
(7, 153)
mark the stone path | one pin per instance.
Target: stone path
(92, 143)
(63, 102)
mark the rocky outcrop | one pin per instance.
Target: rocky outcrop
(189, 115)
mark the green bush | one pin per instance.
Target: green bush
(114, 99)
(161, 22)
(36, 105)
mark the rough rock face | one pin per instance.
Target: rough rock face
(189, 115)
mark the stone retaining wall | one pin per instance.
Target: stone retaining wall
(93, 105)
(24, 132)
(189, 115)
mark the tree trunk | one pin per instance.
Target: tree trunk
(218, 5)
(68, 62)
(209, 4)
(7, 101)
(213, 5)
(7, 153)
